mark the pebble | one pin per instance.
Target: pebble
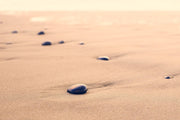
(106, 58)
(61, 42)
(46, 43)
(81, 43)
(14, 32)
(77, 89)
(41, 33)
(168, 77)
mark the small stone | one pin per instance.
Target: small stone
(77, 89)
(61, 42)
(41, 33)
(14, 32)
(106, 58)
(46, 43)
(167, 77)
(81, 43)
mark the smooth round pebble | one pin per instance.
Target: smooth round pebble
(41, 33)
(167, 77)
(14, 32)
(106, 58)
(46, 43)
(81, 43)
(61, 42)
(77, 89)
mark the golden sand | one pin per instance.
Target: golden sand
(143, 47)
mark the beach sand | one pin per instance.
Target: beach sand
(143, 48)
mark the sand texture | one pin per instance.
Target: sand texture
(143, 48)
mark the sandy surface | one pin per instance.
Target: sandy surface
(143, 47)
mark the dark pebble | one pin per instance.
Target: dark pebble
(81, 43)
(77, 89)
(41, 33)
(106, 58)
(167, 77)
(14, 32)
(46, 43)
(61, 42)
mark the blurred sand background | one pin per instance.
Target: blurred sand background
(143, 46)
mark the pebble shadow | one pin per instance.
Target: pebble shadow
(60, 90)
(113, 57)
(8, 59)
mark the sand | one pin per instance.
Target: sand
(143, 47)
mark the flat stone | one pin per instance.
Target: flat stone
(46, 43)
(61, 42)
(106, 58)
(14, 32)
(41, 33)
(77, 89)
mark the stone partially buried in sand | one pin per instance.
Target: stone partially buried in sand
(77, 89)
(106, 58)
(14, 32)
(41, 33)
(61, 42)
(81, 43)
(46, 43)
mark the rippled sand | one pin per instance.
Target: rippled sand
(143, 48)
